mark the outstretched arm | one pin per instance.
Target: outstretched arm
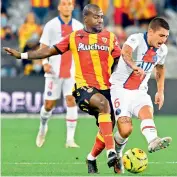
(37, 54)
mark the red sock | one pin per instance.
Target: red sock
(105, 126)
(98, 146)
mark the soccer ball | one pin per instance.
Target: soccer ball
(135, 160)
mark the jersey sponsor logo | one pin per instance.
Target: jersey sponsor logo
(95, 46)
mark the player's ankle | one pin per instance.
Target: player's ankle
(91, 157)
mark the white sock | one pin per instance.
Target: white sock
(148, 129)
(120, 143)
(71, 122)
(90, 157)
(44, 116)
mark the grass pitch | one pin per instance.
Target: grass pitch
(21, 157)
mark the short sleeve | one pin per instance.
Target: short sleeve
(63, 45)
(116, 48)
(45, 38)
(133, 41)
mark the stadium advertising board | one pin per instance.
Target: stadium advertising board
(25, 95)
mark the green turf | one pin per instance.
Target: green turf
(21, 157)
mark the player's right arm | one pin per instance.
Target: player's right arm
(37, 54)
(42, 53)
(127, 54)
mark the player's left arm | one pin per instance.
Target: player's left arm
(160, 79)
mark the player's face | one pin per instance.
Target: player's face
(66, 7)
(158, 37)
(95, 20)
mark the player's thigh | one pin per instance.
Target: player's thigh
(99, 102)
(82, 96)
(52, 89)
(67, 87)
(143, 107)
(121, 101)
(107, 95)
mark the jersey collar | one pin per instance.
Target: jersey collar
(62, 22)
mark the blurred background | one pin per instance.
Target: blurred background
(22, 22)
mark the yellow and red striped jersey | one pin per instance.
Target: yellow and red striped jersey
(93, 55)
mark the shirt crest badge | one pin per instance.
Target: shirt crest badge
(104, 39)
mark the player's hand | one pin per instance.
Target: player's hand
(12, 52)
(159, 99)
(139, 71)
(48, 68)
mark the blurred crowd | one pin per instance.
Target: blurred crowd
(22, 22)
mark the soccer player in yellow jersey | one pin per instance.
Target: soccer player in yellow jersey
(95, 50)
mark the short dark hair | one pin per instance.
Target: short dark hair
(88, 7)
(157, 23)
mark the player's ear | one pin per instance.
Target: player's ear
(150, 31)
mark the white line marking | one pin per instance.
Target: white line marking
(67, 163)
(36, 116)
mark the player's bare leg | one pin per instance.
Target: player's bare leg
(149, 130)
(124, 125)
(99, 102)
(45, 114)
(71, 121)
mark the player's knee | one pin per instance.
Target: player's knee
(49, 105)
(70, 101)
(125, 126)
(125, 133)
(104, 106)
